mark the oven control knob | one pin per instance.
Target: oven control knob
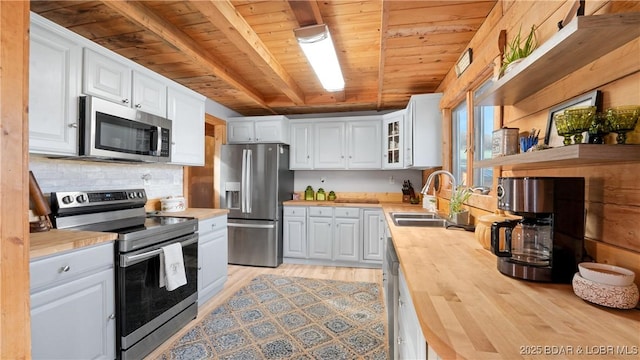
(67, 200)
(81, 199)
(132, 195)
(140, 194)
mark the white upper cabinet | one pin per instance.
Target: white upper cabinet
(407, 136)
(363, 148)
(149, 94)
(340, 143)
(393, 140)
(186, 112)
(55, 64)
(258, 129)
(58, 76)
(240, 131)
(423, 138)
(301, 151)
(106, 77)
(114, 80)
(329, 145)
(272, 130)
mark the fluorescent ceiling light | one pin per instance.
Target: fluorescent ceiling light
(316, 43)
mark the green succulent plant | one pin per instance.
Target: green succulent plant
(458, 197)
(517, 49)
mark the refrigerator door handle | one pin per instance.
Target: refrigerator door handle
(243, 187)
(253, 226)
(249, 185)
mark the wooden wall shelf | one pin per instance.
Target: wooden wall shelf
(583, 40)
(571, 155)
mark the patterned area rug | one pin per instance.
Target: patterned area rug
(277, 317)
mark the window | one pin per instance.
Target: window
(459, 142)
(483, 130)
(480, 122)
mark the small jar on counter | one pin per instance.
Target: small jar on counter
(320, 195)
(308, 194)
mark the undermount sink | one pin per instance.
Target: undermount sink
(418, 219)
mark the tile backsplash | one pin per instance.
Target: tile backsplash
(158, 180)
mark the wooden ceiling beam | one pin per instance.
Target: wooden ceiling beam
(384, 24)
(173, 36)
(307, 12)
(223, 15)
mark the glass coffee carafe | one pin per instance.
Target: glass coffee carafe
(527, 241)
(531, 242)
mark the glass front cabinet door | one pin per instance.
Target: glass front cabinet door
(392, 158)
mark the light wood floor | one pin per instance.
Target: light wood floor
(240, 276)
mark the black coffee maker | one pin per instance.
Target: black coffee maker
(547, 243)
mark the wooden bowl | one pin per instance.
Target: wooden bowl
(618, 297)
(606, 274)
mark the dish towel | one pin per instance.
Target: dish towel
(172, 272)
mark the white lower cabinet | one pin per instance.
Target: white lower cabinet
(334, 233)
(374, 226)
(346, 234)
(294, 232)
(321, 233)
(410, 340)
(326, 235)
(73, 304)
(212, 257)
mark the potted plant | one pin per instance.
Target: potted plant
(457, 214)
(516, 50)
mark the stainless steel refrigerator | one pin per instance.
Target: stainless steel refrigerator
(255, 180)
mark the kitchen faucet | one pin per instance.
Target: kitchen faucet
(430, 178)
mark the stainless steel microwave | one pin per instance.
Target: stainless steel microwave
(110, 131)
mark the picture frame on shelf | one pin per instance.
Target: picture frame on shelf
(551, 137)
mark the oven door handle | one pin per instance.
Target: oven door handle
(126, 260)
(253, 226)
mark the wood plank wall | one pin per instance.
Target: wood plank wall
(612, 191)
(15, 335)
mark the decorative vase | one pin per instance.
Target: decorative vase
(460, 218)
(511, 65)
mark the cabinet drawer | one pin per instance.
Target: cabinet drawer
(347, 212)
(212, 224)
(320, 211)
(70, 265)
(295, 211)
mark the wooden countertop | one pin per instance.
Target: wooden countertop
(468, 310)
(355, 203)
(55, 240)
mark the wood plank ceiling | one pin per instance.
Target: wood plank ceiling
(243, 54)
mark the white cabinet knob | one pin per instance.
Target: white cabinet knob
(65, 268)
(73, 125)
(138, 106)
(125, 101)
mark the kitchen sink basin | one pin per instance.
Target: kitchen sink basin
(415, 215)
(418, 219)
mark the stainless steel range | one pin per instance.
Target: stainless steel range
(146, 313)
